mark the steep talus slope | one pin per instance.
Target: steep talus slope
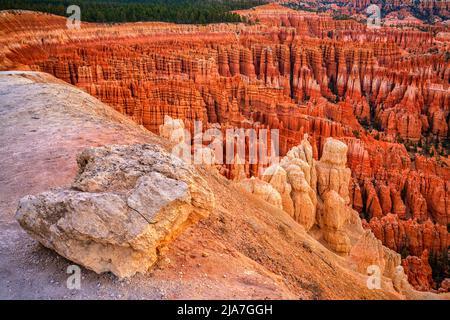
(245, 249)
(383, 92)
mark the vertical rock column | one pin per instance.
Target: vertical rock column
(333, 179)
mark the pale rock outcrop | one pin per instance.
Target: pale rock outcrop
(334, 215)
(295, 179)
(277, 177)
(369, 251)
(327, 179)
(342, 226)
(125, 206)
(263, 190)
(303, 165)
(173, 130)
(302, 155)
(302, 151)
(303, 197)
(332, 174)
(333, 180)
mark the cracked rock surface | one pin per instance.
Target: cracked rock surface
(125, 205)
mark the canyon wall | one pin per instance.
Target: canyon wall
(384, 92)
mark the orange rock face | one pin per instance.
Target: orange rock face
(294, 71)
(415, 237)
(419, 272)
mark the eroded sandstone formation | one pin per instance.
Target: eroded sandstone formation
(125, 206)
(314, 193)
(262, 190)
(319, 201)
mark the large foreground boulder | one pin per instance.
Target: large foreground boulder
(126, 204)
